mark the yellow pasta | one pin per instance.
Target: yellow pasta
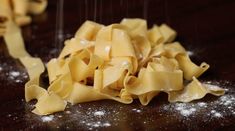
(121, 62)
(17, 11)
(15, 44)
(168, 33)
(155, 35)
(193, 91)
(36, 7)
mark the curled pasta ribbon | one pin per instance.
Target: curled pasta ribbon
(193, 91)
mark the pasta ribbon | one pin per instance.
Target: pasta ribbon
(47, 102)
(193, 91)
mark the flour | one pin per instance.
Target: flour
(217, 114)
(202, 104)
(47, 118)
(14, 73)
(99, 113)
(98, 124)
(68, 112)
(90, 116)
(190, 53)
(136, 110)
(184, 109)
(218, 108)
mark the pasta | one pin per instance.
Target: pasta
(121, 62)
(15, 44)
(17, 11)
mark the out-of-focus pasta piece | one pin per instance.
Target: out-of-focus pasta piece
(36, 6)
(20, 7)
(22, 20)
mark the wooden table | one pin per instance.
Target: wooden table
(205, 28)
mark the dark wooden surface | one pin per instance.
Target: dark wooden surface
(206, 28)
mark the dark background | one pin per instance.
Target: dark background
(206, 28)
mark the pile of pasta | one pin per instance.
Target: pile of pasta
(121, 62)
(18, 11)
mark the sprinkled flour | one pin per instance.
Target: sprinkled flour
(14, 73)
(99, 113)
(89, 116)
(136, 110)
(47, 118)
(220, 107)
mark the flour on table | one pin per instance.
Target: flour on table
(47, 118)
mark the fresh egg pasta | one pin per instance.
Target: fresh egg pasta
(120, 62)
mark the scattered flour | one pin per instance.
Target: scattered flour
(136, 110)
(217, 108)
(14, 73)
(99, 113)
(18, 81)
(184, 109)
(47, 118)
(98, 124)
(202, 104)
(217, 114)
(68, 112)
(96, 118)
